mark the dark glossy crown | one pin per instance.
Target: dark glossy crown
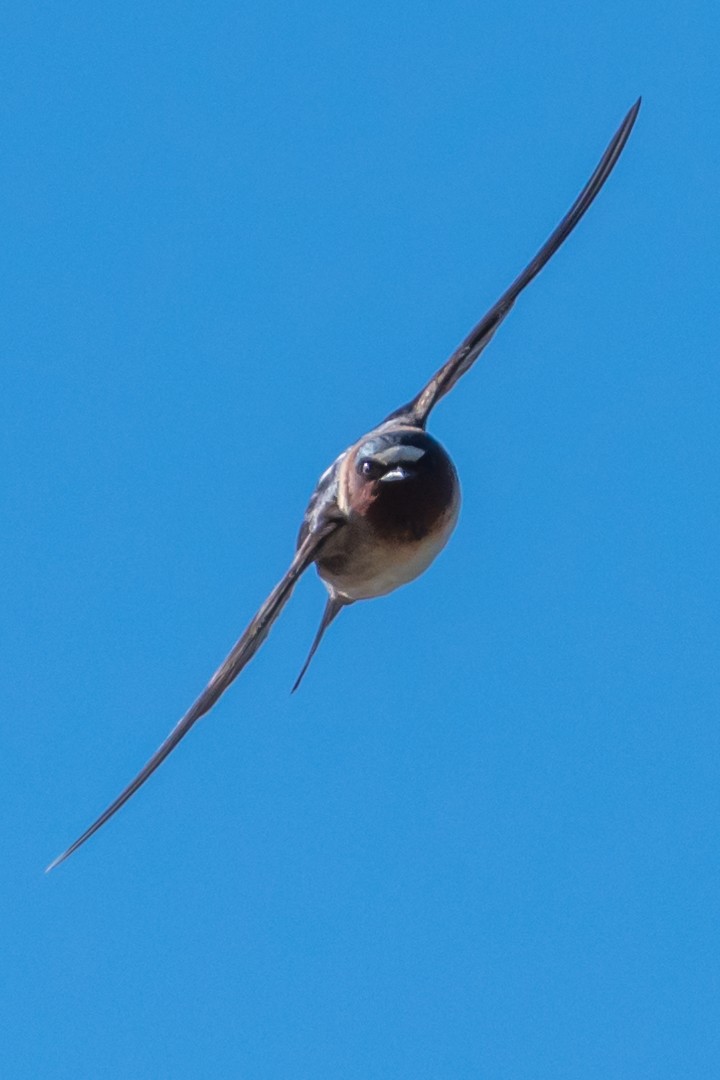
(408, 448)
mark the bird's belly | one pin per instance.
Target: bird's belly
(359, 566)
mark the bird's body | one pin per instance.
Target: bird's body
(386, 506)
(397, 497)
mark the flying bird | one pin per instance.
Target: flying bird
(385, 507)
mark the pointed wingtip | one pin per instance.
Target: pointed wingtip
(56, 862)
(71, 850)
(631, 116)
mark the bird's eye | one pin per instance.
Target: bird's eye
(371, 469)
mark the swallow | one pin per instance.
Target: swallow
(386, 506)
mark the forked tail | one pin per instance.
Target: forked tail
(333, 606)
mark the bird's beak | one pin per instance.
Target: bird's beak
(398, 473)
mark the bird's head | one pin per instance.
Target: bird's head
(401, 476)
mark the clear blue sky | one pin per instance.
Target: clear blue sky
(483, 839)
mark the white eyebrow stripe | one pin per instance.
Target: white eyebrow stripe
(395, 455)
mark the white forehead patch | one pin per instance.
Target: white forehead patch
(399, 455)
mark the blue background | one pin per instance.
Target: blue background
(482, 840)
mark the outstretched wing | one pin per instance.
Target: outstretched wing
(417, 411)
(242, 652)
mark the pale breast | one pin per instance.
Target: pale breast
(358, 564)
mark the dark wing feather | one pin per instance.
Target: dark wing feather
(240, 655)
(417, 411)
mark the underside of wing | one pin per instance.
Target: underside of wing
(240, 655)
(416, 411)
